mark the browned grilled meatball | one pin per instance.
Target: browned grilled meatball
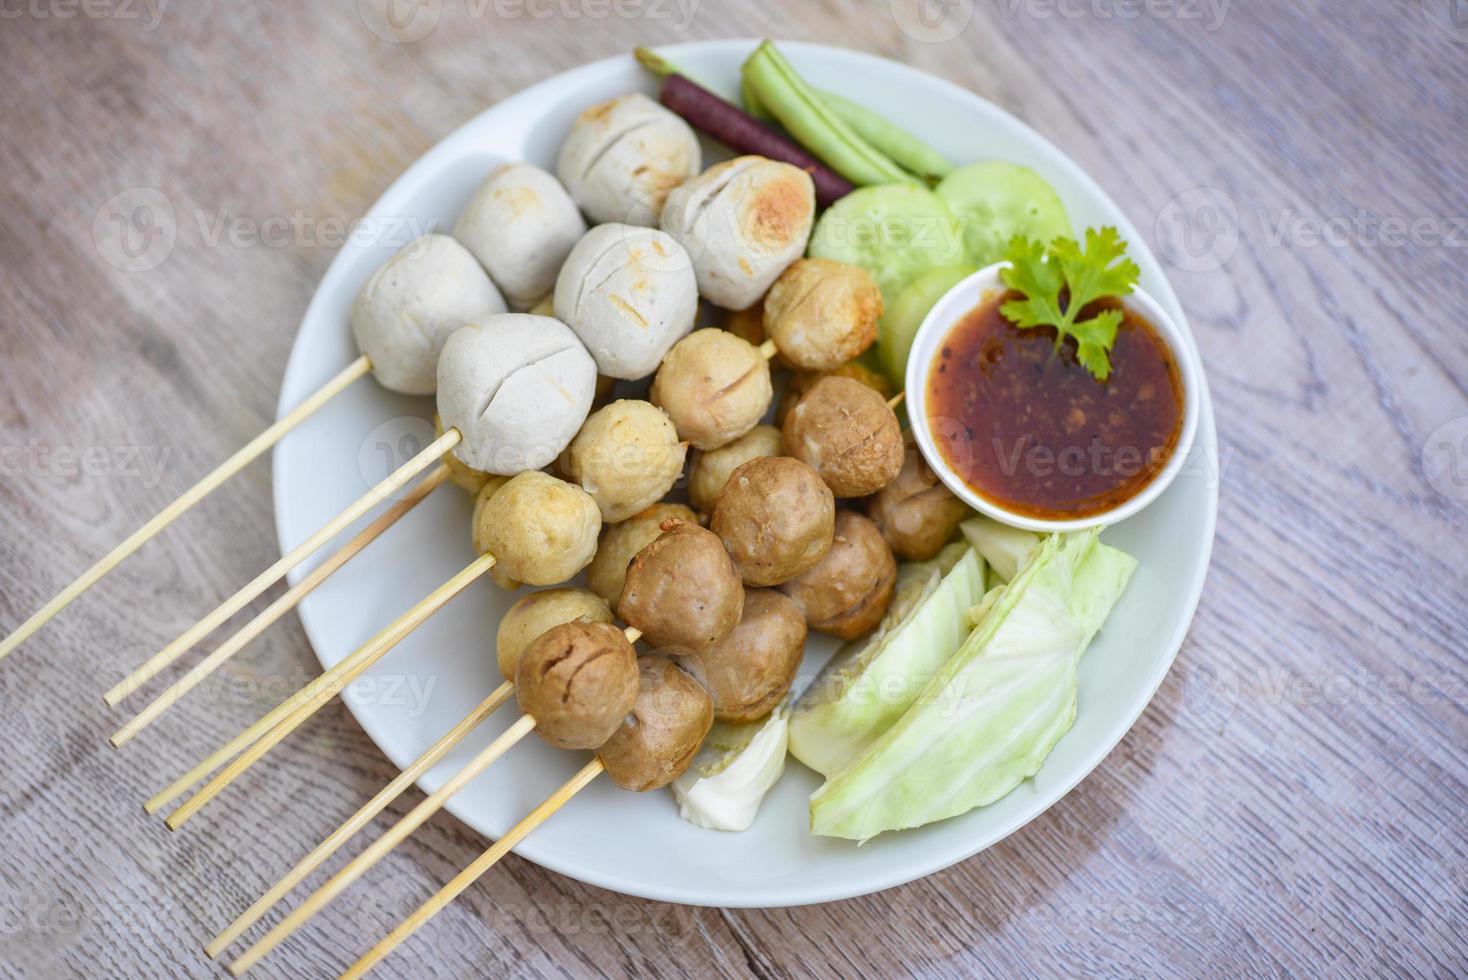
(849, 590)
(578, 681)
(776, 517)
(917, 514)
(748, 672)
(663, 731)
(682, 590)
(845, 432)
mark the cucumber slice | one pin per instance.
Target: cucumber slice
(894, 231)
(995, 201)
(899, 324)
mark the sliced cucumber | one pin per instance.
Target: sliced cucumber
(894, 231)
(900, 322)
(995, 201)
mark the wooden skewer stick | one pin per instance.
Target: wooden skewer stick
(277, 571)
(360, 819)
(395, 836)
(896, 400)
(380, 847)
(767, 350)
(288, 601)
(307, 701)
(476, 869)
(193, 495)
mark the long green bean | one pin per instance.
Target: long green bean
(903, 147)
(800, 109)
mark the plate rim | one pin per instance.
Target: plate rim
(1206, 439)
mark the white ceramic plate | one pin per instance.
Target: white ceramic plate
(636, 843)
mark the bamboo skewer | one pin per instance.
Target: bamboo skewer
(380, 847)
(288, 601)
(277, 571)
(307, 701)
(476, 869)
(241, 458)
(358, 820)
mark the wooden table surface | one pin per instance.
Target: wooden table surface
(1293, 800)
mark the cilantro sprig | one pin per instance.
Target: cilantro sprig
(1084, 275)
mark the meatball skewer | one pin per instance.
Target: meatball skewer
(477, 357)
(401, 317)
(577, 659)
(576, 681)
(635, 760)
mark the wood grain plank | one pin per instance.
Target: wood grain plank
(1292, 801)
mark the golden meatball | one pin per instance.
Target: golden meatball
(578, 681)
(714, 386)
(627, 456)
(750, 671)
(849, 590)
(619, 542)
(541, 530)
(916, 513)
(845, 432)
(776, 517)
(802, 381)
(534, 614)
(711, 470)
(822, 314)
(660, 735)
(682, 590)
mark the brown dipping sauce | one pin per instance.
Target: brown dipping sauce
(1026, 426)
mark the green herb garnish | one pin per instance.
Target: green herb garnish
(1042, 274)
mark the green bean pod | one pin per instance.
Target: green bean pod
(752, 104)
(800, 109)
(891, 139)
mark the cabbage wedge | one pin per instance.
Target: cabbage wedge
(737, 766)
(995, 709)
(869, 684)
(1005, 548)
